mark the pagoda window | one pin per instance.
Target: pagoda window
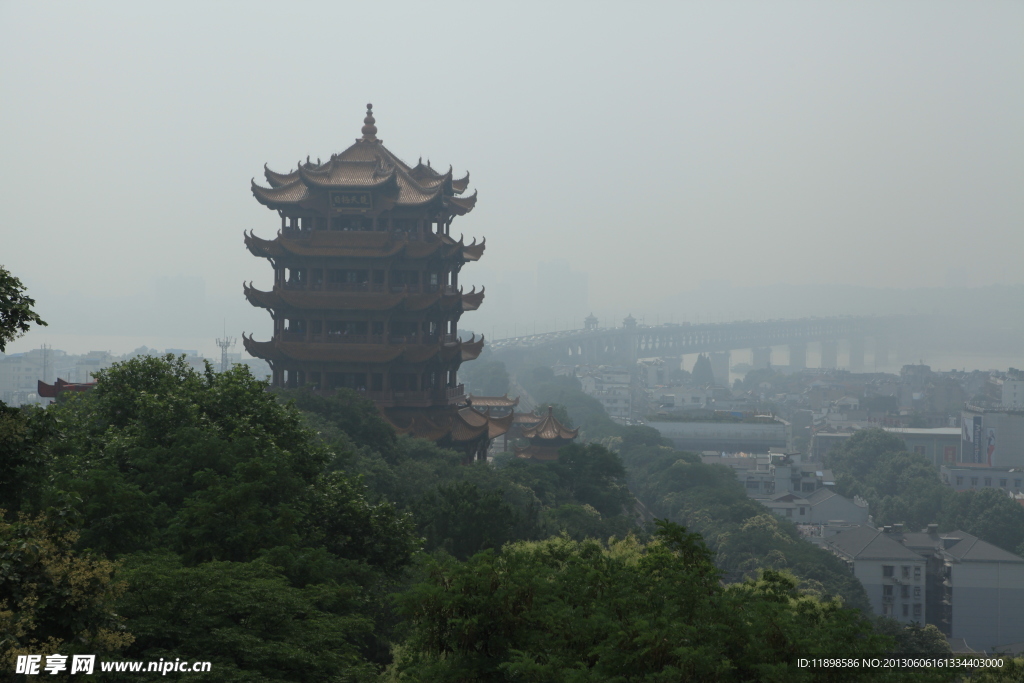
(348, 279)
(403, 381)
(377, 381)
(403, 331)
(378, 277)
(378, 327)
(404, 278)
(296, 276)
(403, 225)
(316, 276)
(383, 222)
(313, 379)
(321, 223)
(346, 328)
(316, 326)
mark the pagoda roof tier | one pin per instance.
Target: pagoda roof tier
(366, 165)
(52, 390)
(461, 425)
(327, 352)
(550, 429)
(284, 299)
(360, 245)
(343, 167)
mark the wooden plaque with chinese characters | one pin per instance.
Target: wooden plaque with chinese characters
(351, 201)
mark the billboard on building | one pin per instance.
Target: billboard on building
(990, 444)
(977, 438)
(973, 447)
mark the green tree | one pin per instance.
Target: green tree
(208, 465)
(16, 313)
(24, 435)
(702, 373)
(462, 519)
(52, 597)
(246, 619)
(561, 610)
(913, 640)
(211, 469)
(594, 475)
(988, 514)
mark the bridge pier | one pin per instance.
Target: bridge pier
(881, 351)
(829, 354)
(857, 354)
(798, 356)
(720, 367)
(762, 358)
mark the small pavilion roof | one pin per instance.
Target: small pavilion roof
(550, 429)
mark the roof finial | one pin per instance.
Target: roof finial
(369, 130)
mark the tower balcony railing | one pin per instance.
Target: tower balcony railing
(331, 338)
(333, 287)
(351, 338)
(353, 287)
(344, 338)
(458, 391)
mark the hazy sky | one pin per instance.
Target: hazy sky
(652, 146)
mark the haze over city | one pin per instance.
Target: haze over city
(684, 162)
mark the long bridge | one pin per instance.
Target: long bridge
(630, 342)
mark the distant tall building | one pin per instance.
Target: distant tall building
(366, 285)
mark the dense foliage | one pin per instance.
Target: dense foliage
(203, 483)
(904, 488)
(195, 515)
(16, 309)
(562, 610)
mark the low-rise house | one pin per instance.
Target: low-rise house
(893, 575)
(970, 589)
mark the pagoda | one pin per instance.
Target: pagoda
(547, 435)
(366, 291)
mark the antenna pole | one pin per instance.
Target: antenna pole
(225, 343)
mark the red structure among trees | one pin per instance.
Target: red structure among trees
(366, 283)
